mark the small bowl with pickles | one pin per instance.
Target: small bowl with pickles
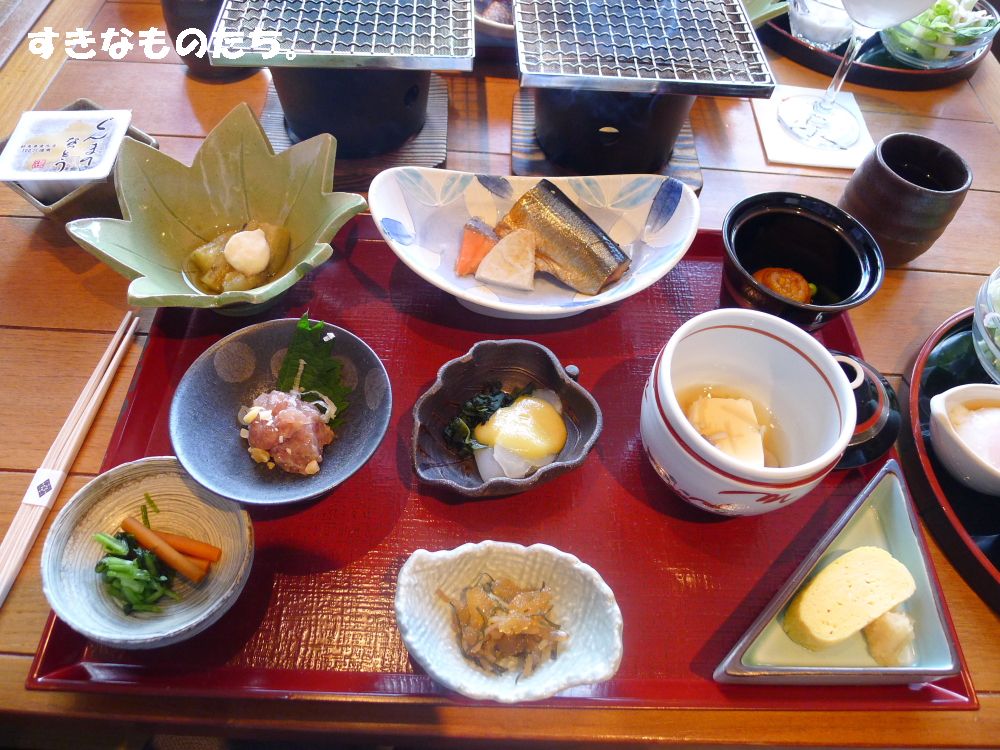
(233, 231)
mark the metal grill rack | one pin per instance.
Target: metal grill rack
(701, 47)
(386, 34)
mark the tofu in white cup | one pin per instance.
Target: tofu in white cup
(801, 404)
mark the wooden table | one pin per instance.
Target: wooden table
(59, 306)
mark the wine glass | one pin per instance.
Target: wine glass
(817, 119)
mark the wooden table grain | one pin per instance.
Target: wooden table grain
(58, 307)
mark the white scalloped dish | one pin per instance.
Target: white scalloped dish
(583, 605)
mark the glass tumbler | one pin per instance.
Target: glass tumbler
(821, 23)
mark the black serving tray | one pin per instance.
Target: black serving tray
(874, 66)
(965, 523)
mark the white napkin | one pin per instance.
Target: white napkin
(781, 147)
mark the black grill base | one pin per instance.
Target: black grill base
(370, 112)
(601, 132)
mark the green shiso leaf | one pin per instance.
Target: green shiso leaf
(321, 373)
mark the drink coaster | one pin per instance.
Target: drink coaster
(428, 148)
(782, 147)
(527, 157)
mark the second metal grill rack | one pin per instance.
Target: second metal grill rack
(641, 46)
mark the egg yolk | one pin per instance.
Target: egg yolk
(530, 427)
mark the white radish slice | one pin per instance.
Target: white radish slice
(549, 396)
(511, 262)
(487, 465)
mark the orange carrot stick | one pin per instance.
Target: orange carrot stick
(155, 544)
(191, 547)
(202, 564)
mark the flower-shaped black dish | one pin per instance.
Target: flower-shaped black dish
(205, 429)
(514, 363)
(829, 247)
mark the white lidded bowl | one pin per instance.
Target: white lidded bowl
(75, 591)
(583, 606)
(960, 460)
(777, 365)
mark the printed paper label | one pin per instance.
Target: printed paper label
(44, 487)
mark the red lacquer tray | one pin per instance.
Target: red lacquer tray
(316, 617)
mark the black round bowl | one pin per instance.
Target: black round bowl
(830, 248)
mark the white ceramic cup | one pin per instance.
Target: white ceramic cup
(775, 364)
(960, 460)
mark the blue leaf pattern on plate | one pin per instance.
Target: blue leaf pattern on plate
(412, 181)
(454, 186)
(397, 231)
(668, 197)
(636, 192)
(499, 186)
(590, 191)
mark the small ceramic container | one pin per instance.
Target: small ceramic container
(819, 241)
(882, 515)
(879, 417)
(779, 367)
(583, 606)
(906, 192)
(51, 154)
(75, 590)
(94, 197)
(514, 363)
(960, 460)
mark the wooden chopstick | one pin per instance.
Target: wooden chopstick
(85, 417)
(49, 477)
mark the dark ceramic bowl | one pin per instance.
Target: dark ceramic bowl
(515, 363)
(205, 429)
(823, 243)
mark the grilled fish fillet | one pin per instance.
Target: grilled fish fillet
(570, 245)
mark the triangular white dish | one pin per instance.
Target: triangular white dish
(882, 515)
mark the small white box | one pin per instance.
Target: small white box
(50, 154)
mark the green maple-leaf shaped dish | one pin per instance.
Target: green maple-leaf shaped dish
(170, 209)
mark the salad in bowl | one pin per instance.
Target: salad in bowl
(949, 33)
